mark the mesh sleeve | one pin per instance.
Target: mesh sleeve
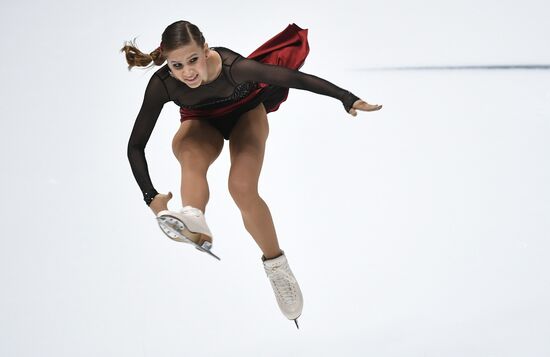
(244, 69)
(154, 98)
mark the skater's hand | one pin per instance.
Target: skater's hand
(362, 105)
(160, 202)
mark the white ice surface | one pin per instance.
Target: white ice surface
(419, 230)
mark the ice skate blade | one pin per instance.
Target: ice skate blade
(173, 228)
(296, 321)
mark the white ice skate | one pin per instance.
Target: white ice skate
(187, 226)
(286, 288)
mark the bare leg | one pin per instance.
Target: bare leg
(247, 147)
(259, 223)
(194, 187)
(196, 145)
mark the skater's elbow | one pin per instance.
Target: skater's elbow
(134, 148)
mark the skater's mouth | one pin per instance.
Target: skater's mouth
(191, 80)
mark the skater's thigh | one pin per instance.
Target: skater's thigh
(197, 142)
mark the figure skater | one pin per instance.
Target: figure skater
(224, 96)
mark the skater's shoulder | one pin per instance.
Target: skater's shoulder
(227, 54)
(224, 50)
(163, 72)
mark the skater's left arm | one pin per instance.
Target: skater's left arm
(245, 69)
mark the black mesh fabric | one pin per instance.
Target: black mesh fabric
(239, 76)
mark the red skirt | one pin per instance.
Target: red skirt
(288, 48)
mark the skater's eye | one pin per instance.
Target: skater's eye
(177, 65)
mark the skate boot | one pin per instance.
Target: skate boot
(286, 288)
(187, 226)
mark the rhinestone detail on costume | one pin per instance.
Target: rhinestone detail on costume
(241, 91)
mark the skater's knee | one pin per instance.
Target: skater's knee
(192, 154)
(196, 143)
(193, 157)
(243, 191)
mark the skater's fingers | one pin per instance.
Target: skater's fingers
(373, 107)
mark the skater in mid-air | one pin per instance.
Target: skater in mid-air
(223, 96)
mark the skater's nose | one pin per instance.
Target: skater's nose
(188, 74)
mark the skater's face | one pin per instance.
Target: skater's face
(188, 64)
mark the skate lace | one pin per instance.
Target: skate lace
(283, 281)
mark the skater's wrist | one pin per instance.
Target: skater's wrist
(348, 99)
(149, 195)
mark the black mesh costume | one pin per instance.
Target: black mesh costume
(239, 76)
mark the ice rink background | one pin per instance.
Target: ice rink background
(418, 230)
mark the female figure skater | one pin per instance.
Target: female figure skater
(223, 95)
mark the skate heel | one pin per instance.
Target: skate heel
(174, 225)
(175, 229)
(206, 245)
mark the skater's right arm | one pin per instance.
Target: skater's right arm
(154, 98)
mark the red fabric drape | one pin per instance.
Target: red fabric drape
(289, 48)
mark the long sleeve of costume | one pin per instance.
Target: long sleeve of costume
(244, 69)
(155, 97)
